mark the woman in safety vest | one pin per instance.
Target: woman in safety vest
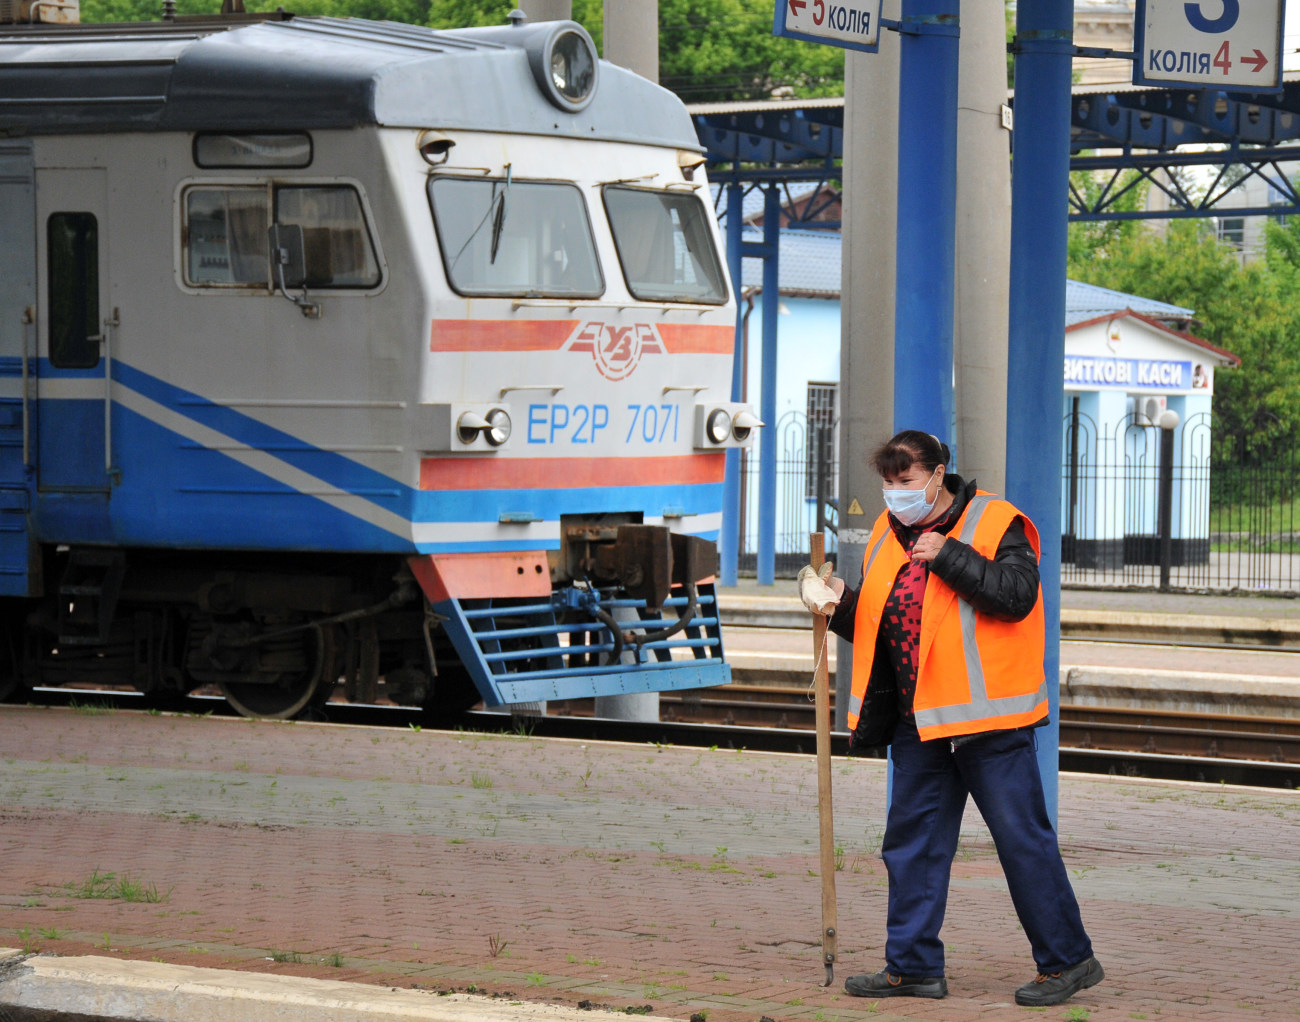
(948, 672)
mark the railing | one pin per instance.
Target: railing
(803, 471)
(1165, 509)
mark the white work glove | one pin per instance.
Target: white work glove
(817, 596)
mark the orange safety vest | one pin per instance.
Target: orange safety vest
(974, 673)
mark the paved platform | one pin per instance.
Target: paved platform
(556, 871)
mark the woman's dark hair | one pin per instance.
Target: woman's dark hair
(910, 447)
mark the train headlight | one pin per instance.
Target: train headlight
(743, 423)
(573, 67)
(497, 430)
(565, 66)
(718, 426)
(724, 425)
(469, 426)
(462, 427)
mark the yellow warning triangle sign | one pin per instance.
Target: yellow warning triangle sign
(855, 508)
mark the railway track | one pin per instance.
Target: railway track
(1254, 751)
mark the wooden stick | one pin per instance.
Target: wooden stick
(821, 688)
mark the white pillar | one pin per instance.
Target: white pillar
(631, 36)
(866, 305)
(983, 248)
(547, 10)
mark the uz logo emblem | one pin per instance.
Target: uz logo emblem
(618, 349)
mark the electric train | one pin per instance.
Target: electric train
(355, 357)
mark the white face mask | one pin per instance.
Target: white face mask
(910, 506)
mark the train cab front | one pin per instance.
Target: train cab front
(620, 607)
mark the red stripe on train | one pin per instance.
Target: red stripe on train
(569, 473)
(550, 335)
(500, 334)
(697, 338)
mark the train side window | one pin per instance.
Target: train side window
(226, 228)
(336, 243)
(508, 238)
(73, 273)
(665, 246)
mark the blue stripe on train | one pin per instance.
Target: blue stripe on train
(201, 499)
(174, 492)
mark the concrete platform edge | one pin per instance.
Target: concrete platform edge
(110, 989)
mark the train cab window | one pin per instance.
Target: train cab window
(665, 246)
(227, 237)
(515, 238)
(226, 231)
(73, 274)
(335, 241)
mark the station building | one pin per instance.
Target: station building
(1129, 361)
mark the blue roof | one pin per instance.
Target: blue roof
(1087, 301)
(810, 266)
(810, 263)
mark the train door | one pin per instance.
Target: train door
(17, 334)
(74, 460)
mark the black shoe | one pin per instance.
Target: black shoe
(1060, 986)
(887, 984)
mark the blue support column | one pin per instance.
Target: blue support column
(729, 539)
(767, 388)
(927, 216)
(1036, 348)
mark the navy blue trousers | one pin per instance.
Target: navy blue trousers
(931, 781)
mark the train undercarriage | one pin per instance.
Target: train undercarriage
(279, 635)
(273, 639)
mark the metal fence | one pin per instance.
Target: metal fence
(1168, 509)
(805, 467)
(1141, 507)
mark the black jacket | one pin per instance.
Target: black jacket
(1005, 588)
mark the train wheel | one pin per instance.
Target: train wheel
(294, 690)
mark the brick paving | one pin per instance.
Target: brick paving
(622, 875)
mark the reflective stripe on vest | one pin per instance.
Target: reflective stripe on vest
(855, 701)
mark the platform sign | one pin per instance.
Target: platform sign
(852, 24)
(1234, 45)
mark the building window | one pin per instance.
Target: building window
(1232, 231)
(821, 438)
(73, 255)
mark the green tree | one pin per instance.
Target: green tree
(1092, 240)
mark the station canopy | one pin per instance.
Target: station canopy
(1123, 134)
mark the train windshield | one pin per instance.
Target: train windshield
(515, 238)
(665, 246)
